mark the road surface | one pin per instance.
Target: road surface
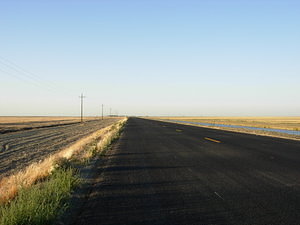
(21, 148)
(166, 173)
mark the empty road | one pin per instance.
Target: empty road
(165, 173)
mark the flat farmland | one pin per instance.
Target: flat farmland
(16, 123)
(39, 138)
(286, 123)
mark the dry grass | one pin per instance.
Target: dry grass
(9, 186)
(287, 123)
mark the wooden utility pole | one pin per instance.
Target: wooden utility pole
(81, 107)
(102, 111)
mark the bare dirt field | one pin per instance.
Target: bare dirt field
(287, 123)
(16, 123)
(21, 148)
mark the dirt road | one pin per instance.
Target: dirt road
(19, 149)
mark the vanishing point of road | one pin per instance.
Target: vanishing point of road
(166, 173)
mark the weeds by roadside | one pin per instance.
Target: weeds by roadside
(41, 203)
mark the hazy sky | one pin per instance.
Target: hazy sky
(150, 57)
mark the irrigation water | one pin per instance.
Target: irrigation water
(293, 132)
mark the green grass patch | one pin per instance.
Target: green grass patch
(41, 203)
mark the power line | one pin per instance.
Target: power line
(18, 68)
(24, 80)
(10, 74)
(31, 78)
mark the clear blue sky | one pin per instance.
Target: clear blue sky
(155, 57)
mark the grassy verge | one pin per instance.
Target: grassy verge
(43, 201)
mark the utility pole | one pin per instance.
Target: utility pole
(81, 107)
(102, 111)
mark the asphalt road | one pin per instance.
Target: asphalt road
(165, 173)
(20, 149)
